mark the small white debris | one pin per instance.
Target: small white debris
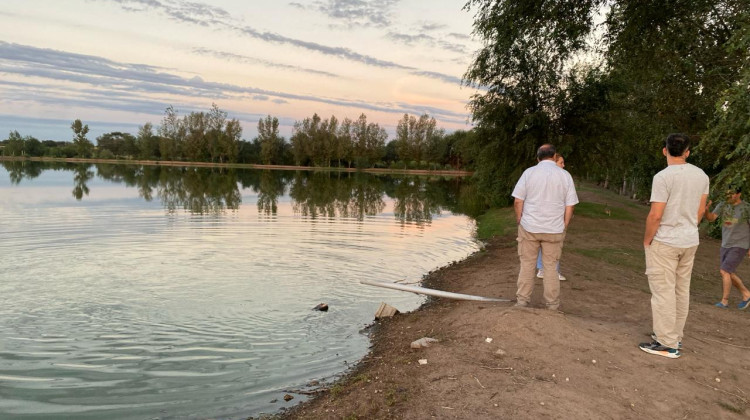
(718, 380)
(593, 361)
(488, 339)
(541, 403)
(567, 379)
(495, 405)
(553, 375)
(422, 361)
(423, 342)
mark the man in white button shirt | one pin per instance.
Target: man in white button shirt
(544, 200)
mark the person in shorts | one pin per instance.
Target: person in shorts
(735, 243)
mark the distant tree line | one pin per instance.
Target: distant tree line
(212, 137)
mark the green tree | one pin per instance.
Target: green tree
(229, 145)
(147, 142)
(33, 146)
(727, 141)
(528, 47)
(84, 147)
(414, 136)
(172, 134)
(119, 144)
(14, 145)
(368, 142)
(343, 148)
(268, 136)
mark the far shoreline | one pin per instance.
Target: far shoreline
(390, 171)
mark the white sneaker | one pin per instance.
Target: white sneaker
(561, 277)
(540, 274)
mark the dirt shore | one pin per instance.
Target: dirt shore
(497, 361)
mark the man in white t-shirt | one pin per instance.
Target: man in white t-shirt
(544, 200)
(678, 201)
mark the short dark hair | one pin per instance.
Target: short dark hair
(676, 144)
(736, 188)
(546, 151)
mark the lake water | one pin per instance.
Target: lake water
(132, 292)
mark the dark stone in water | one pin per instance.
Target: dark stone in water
(321, 307)
(288, 397)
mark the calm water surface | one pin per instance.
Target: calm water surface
(154, 293)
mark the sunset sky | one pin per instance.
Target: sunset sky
(117, 64)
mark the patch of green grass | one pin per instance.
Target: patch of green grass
(608, 194)
(360, 378)
(395, 395)
(336, 390)
(599, 211)
(496, 222)
(624, 257)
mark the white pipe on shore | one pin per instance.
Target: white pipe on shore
(431, 292)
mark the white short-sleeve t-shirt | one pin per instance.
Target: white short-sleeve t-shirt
(681, 187)
(546, 189)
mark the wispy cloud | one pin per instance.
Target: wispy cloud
(459, 36)
(431, 26)
(444, 77)
(210, 16)
(183, 11)
(355, 13)
(259, 61)
(425, 39)
(119, 86)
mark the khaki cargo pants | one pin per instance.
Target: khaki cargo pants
(669, 270)
(528, 248)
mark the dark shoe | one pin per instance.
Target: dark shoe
(655, 348)
(653, 337)
(744, 304)
(721, 305)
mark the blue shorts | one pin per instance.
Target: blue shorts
(730, 258)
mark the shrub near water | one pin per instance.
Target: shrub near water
(496, 222)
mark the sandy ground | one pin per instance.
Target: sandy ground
(582, 362)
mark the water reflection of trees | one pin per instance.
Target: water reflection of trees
(195, 189)
(81, 175)
(415, 202)
(336, 194)
(314, 194)
(18, 170)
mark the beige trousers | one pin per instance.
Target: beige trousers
(669, 270)
(528, 249)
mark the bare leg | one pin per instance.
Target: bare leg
(737, 282)
(726, 283)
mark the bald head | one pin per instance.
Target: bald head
(546, 151)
